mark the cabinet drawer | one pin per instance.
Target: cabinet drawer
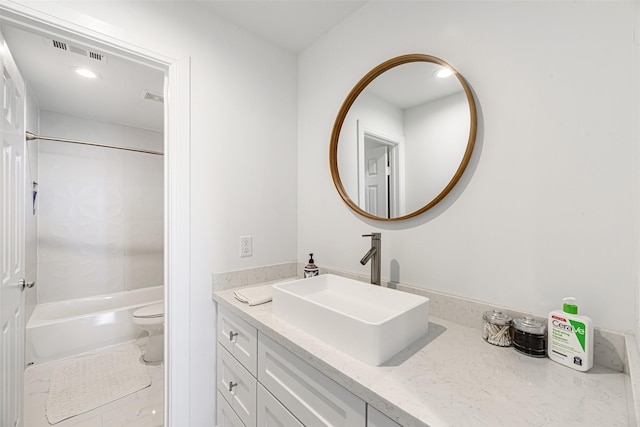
(376, 418)
(226, 416)
(239, 338)
(272, 413)
(312, 397)
(237, 386)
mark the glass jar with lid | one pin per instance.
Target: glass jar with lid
(530, 337)
(497, 328)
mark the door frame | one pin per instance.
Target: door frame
(51, 18)
(396, 160)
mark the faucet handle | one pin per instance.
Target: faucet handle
(373, 235)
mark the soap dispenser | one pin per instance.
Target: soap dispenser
(310, 269)
(570, 337)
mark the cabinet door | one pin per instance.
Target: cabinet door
(226, 416)
(312, 398)
(237, 386)
(271, 413)
(376, 418)
(239, 338)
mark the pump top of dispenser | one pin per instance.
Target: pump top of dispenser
(569, 305)
(311, 269)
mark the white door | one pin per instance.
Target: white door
(376, 178)
(11, 242)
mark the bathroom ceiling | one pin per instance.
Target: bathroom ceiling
(117, 95)
(292, 25)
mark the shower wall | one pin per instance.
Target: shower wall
(100, 211)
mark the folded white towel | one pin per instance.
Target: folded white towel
(256, 295)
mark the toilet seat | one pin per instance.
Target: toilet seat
(150, 311)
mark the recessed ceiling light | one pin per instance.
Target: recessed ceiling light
(444, 72)
(86, 73)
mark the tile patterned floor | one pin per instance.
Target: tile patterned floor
(141, 409)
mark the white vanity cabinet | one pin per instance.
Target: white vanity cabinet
(226, 415)
(237, 386)
(239, 338)
(260, 383)
(315, 399)
(376, 418)
(272, 413)
(236, 371)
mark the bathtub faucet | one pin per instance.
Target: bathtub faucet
(374, 254)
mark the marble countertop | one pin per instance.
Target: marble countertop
(452, 377)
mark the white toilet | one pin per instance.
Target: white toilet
(151, 319)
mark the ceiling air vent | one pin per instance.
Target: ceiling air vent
(150, 96)
(77, 50)
(59, 45)
(96, 56)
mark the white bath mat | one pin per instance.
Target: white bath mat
(83, 383)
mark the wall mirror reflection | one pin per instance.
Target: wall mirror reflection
(403, 137)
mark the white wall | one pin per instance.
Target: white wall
(545, 209)
(436, 138)
(243, 151)
(100, 211)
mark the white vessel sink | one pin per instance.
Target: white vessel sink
(368, 322)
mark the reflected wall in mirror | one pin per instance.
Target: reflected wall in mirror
(403, 137)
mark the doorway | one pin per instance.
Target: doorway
(380, 173)
(176, 182)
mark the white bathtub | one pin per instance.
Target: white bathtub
(61, 329)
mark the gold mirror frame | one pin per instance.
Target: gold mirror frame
(350, 99)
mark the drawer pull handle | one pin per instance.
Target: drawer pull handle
(232, 385)
(232, 335)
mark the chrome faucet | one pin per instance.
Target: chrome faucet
(375, 253)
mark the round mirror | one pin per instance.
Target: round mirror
(403, 137)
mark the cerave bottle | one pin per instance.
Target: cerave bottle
(570, 337)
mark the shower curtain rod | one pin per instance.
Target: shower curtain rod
(31, 136)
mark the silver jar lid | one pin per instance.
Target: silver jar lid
(529, 325)
(497, 317)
